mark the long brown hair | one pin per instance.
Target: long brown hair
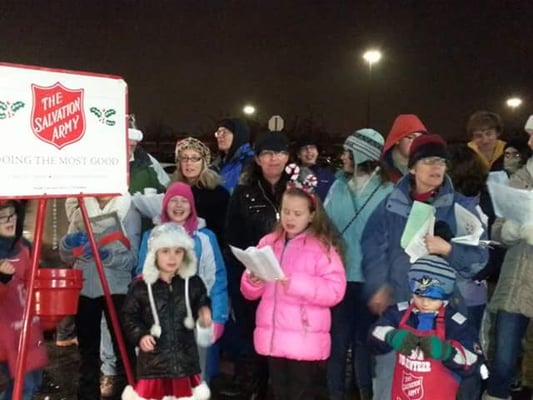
(320, 226)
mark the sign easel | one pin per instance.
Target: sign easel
(63, 134)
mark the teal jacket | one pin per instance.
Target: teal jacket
(341, 206)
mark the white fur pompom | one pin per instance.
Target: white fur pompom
(201, 392)
(155, 330)
(130, 394)
(189, 322)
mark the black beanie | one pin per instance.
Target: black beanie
(426, 146)
(273, 141)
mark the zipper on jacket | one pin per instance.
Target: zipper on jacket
(267, 199)
(275, 300)
(172, 324)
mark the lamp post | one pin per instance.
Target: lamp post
(371, 57)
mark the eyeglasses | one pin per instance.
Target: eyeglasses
(433, 161)
(221, 132)
(272, 154)
(4, 219)
(189, 159)
(512, 155)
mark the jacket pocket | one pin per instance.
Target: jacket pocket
(304, 319)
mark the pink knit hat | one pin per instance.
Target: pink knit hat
(183, 190)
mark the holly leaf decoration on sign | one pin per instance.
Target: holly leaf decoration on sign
(104, 115)
(9, 109)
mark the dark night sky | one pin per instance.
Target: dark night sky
(188, 63)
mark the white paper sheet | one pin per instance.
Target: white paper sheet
(262, 262)
(512, 203)
(469, 227)
(417, 246)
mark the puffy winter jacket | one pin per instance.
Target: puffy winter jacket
(385, 262)
(175, 354)
(294, 321)
(514, 291)
(12, 304)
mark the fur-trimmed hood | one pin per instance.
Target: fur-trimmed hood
(169, 234)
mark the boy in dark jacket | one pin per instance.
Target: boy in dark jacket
(435, 344)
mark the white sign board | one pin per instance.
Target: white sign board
(62, 133)
(275, 123)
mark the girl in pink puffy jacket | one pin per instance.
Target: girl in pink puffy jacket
(293, 317)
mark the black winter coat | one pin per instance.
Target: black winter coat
(253, 211)
(175, 354)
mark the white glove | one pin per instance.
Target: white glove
(526, 233)
(511, 231)
(204, 335)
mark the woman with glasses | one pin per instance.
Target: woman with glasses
(515, 155)
(385, 261)
(234, 150)
(253, 210)
(211, 198)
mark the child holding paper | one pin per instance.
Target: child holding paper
(293, 317)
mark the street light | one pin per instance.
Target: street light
(514, 102)
(371, 57)
(248, 109)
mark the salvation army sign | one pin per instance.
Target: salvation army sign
(62, 133)
(57, 115)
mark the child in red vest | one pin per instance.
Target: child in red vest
(15, 266)
(435, 344)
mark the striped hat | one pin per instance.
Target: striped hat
(431, 276)
(365, 145)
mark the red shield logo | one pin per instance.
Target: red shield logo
(57, 115)
(412, 386)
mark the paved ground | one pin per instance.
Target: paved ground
(61, 377)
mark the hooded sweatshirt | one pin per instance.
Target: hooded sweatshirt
(404, 125)
(230, 165)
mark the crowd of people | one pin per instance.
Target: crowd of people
(412, 317)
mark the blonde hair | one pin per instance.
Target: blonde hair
(208, 179)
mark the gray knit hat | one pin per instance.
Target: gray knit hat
(431, 276)
(364, 144)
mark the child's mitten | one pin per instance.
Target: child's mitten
(510, 231)
(526, 233)
(204, 335)
(76, 239)
(402, 340)
(437, 349)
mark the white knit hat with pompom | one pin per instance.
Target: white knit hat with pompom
(169, 234)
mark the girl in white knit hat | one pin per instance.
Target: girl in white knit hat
(159, 317)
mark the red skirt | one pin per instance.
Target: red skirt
(159, 388)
